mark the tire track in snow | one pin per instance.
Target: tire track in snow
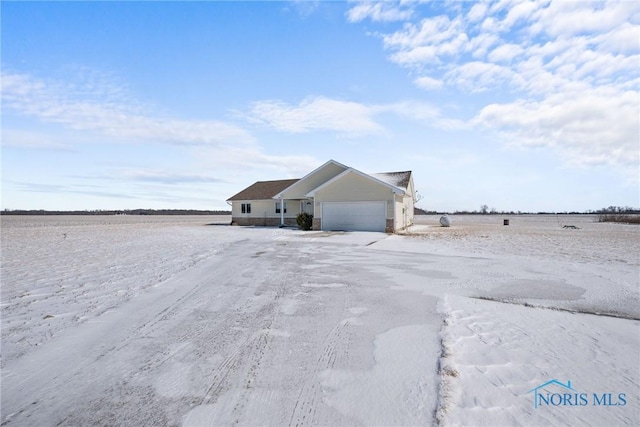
(250, 348)
(239, 371)
(110, 346)
(259, 347)
(306, 403)
(222, 371)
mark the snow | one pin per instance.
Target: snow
(397, 179)
(169, 320)
(397, 390)
(511, 349)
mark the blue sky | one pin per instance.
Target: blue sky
(517, 105)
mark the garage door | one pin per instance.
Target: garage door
(354, 216)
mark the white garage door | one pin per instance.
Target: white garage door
(354, 216)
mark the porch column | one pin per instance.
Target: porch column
(281, 212)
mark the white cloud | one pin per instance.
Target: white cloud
(480, 45)
(428, 83)
(571, 18)
(478, 76)
(431, 31)
(316, 114)
(505, 53)
(598, 39)
(429, 43)
(426, 114)
(378, 11)
(417, 55)
(520, 11)
(36, 140)
(103, 108)
(568, 71)
(347, 118)
(623, 39)
(595, 127)
(167, 177)
(477, 12)
(227, 161)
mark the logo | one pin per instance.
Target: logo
(556, 393)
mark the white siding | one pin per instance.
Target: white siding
(265, 209)
(355, 188)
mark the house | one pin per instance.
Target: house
(339, 197)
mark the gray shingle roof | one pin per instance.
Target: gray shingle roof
(263, 190)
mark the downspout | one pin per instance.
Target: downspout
(281, 212)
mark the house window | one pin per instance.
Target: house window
(246, 208)
(278, 207)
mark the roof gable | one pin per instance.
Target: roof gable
(313, 179)
(262, 190)
(393, 188)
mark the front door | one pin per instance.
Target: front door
(306, 206)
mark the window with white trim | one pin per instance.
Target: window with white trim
(246, 208)
(278, 207)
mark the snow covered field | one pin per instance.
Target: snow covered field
(132, 320)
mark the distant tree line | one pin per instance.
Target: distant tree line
(611, 214)
(619, 214)
(117, 212)
(618, 210)
(611, 211)
(418, 211)
(494, 211)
